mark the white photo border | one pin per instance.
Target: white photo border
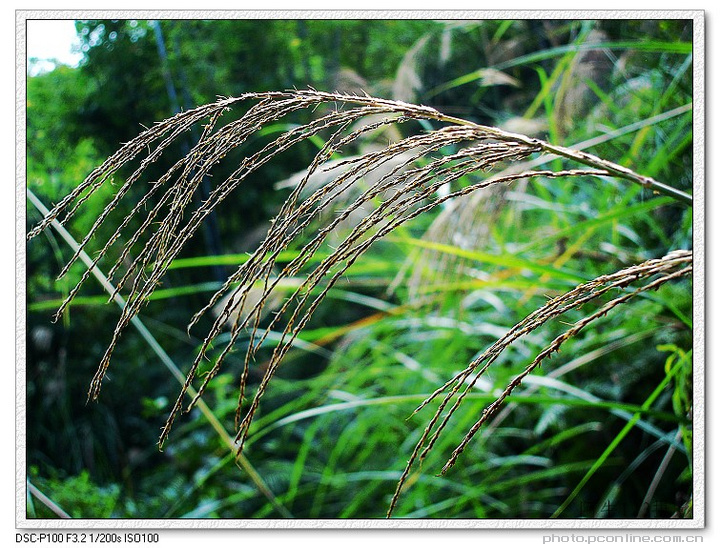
(699, 408)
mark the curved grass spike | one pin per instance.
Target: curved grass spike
(285, 237)
(416, 168)
(187, 161)
(671, 266)
(314, 279)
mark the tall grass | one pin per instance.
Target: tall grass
(322, 230)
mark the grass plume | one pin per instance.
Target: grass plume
(414, 170)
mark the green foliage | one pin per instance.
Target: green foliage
(335, 430)
(78, 496)
(679, 365)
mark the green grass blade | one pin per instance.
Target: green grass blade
(504, 260)
(619, 437)
(649, 46)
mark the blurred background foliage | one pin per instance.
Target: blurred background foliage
(333, 434)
